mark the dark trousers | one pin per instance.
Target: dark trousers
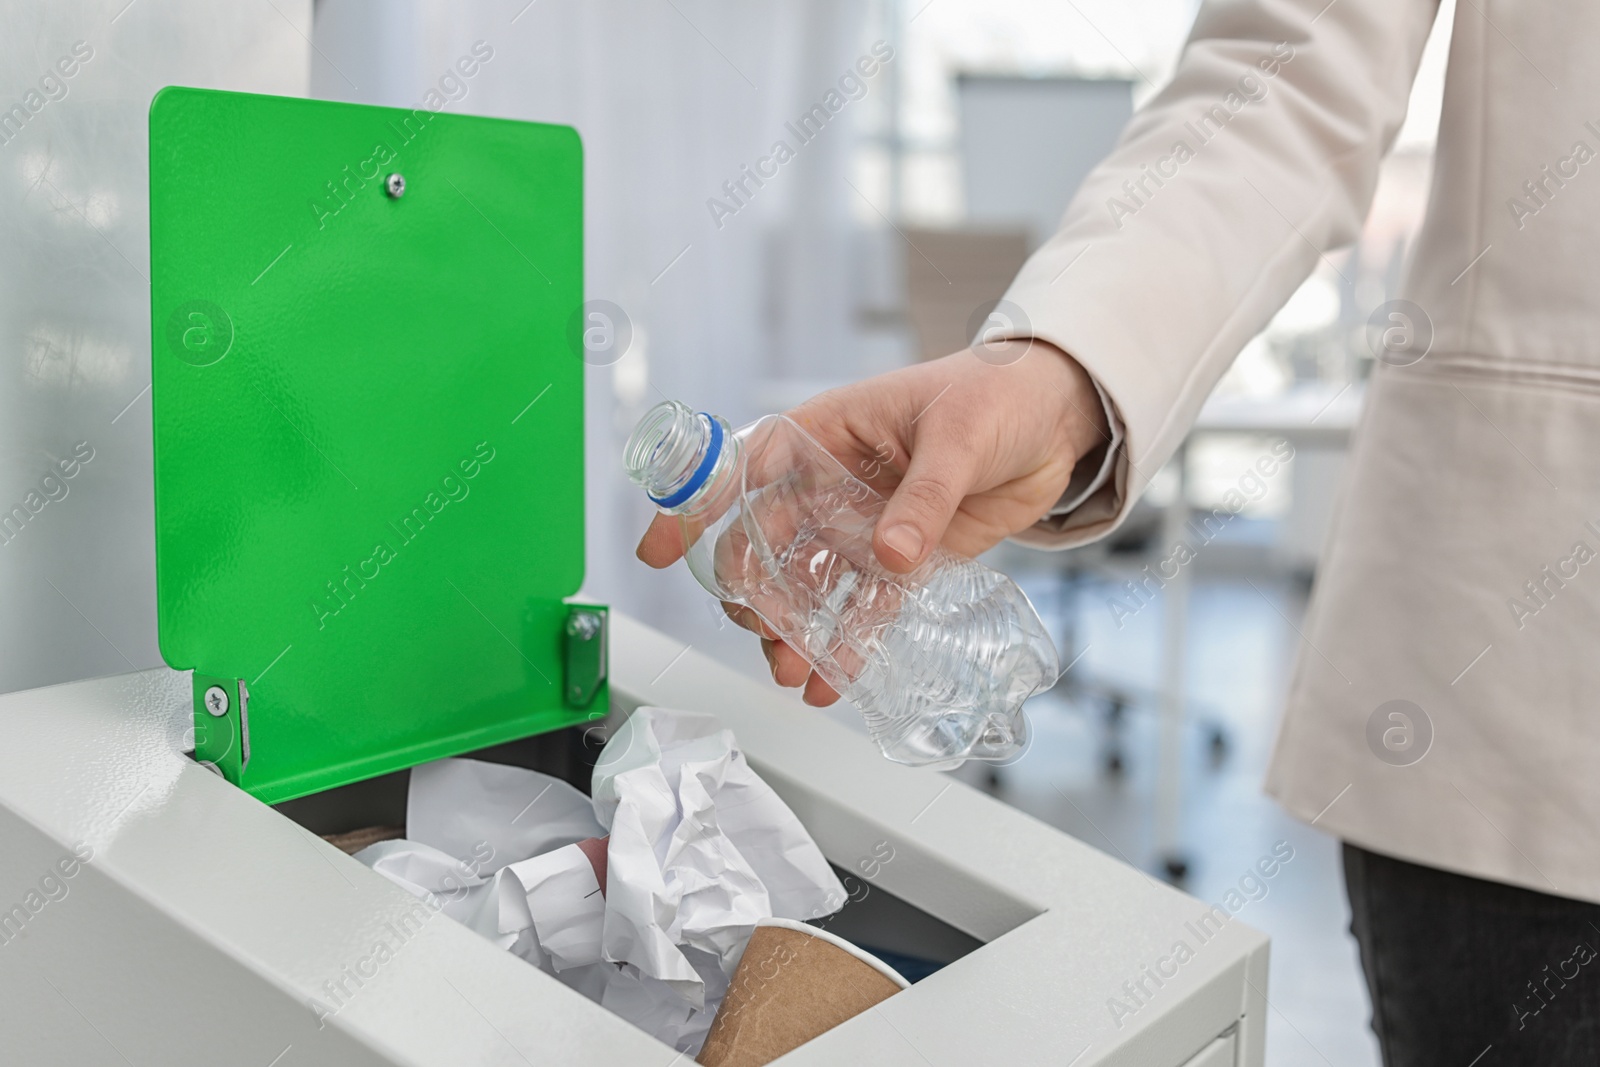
(1464, 971)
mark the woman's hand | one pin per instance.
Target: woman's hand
(969, 450)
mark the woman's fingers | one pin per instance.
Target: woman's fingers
(819, 694)
(936, 481)
(662, 543)
(748, 619)
(793, 672)
(788, 668)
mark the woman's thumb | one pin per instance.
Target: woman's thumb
(914, 521)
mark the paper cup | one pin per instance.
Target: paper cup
(793, 982)
(356, 840)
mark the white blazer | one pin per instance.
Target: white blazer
(1462, 577)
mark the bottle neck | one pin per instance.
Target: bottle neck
(681, 458)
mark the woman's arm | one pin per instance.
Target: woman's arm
(1257, 159)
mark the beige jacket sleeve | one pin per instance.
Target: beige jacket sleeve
(1260, 156)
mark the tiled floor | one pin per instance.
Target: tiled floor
(1241, 650)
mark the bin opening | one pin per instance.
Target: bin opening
(914, 942)
(568, 754)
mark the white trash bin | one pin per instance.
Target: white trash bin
(197, 924)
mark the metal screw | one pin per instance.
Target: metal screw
(395, 185)
(216, 701)
(583, 625)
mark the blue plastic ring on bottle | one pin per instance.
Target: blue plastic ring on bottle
(701, 473)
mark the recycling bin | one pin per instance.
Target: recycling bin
(202, 925)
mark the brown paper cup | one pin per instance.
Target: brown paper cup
(356, 840)
(793, 982)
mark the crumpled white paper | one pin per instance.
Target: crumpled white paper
(699, 850)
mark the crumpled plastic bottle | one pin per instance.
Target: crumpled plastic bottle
(938, 661)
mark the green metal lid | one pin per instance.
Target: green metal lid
(368, 431)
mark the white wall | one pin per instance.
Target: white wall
(77, 574)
